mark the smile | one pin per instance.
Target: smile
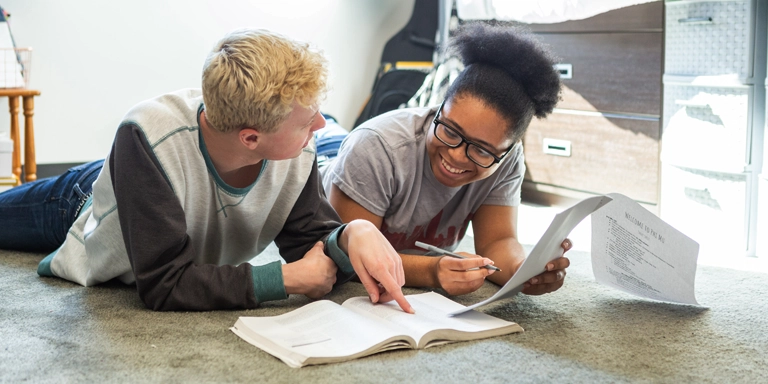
(450, 169)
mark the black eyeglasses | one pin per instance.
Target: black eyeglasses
(475, 152)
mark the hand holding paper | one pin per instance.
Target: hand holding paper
(547, 249)
(553, 277)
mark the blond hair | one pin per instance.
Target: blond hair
(252, 77)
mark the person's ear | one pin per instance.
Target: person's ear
(250, 137)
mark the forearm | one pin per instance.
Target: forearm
(507, 254)
(420, 271)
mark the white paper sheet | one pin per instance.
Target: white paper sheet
(547, 249)
(636, 252)
(633, 250)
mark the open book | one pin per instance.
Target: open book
(325, 332)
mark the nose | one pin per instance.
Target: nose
(459, 153)
(319, 122)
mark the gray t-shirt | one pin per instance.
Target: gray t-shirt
(383, 166)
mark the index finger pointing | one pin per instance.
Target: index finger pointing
(396, 292)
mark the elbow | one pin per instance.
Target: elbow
(156, 299)
(154, 304)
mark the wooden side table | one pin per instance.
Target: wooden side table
(28, 97)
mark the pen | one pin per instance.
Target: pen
(451, 254)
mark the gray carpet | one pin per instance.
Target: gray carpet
(55, 331)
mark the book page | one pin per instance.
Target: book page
(547, 249)
(431, 314)
(322, 329)
(633, 250)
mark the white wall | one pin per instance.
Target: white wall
(94, 59)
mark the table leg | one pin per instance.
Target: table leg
(30, 166)
(13, 106)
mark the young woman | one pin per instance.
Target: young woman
(423, 174)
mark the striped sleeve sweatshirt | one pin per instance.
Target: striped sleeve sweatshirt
(161, 217)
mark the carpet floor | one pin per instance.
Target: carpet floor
(55, 331)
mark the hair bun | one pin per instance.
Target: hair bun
(515, 51)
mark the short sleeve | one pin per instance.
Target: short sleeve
(364, 171)
(506, 191)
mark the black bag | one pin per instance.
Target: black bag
(414, 44)
(392, 89)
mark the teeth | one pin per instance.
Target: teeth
(451, 169)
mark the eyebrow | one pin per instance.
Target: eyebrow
(454, 125)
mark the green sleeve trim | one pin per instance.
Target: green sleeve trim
(44, 268)
(268, 282)
(337, 255)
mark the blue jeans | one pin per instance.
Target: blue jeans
(328, 140)
(36, 216)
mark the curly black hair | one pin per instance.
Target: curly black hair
(509, 70)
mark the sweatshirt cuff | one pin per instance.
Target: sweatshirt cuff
(268, 282)
(337, 255)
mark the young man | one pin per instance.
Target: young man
(198, 182)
